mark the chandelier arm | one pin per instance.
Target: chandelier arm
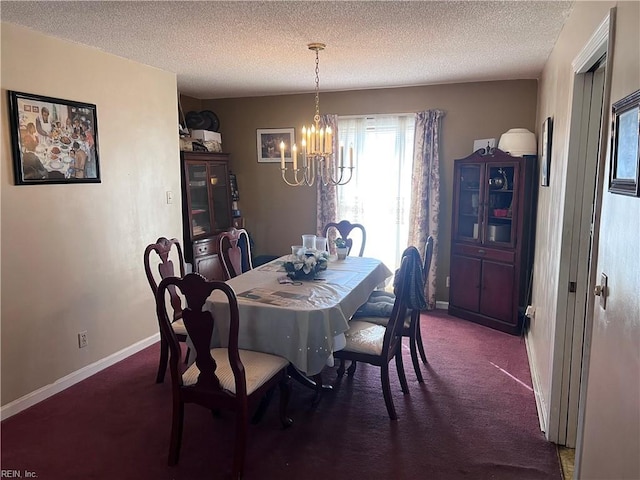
(350, 175)
(310, 172)
(339, 181)
(294, 184)
(331, 180)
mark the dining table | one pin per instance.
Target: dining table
(55, 152)
(302, 321)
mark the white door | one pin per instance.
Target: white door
(581, 255)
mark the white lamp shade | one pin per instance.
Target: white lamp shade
(518, 142)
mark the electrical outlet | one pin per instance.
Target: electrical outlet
(83, 339)
(448, 282)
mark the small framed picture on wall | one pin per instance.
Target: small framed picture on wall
(624, 175)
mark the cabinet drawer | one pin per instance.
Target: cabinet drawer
(488, 253)
(207, 247)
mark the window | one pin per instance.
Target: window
(379, 193)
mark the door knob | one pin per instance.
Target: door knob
(602, 290)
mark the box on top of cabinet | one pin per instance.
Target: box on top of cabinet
(206, 135)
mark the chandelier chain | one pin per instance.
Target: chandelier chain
(316, 118)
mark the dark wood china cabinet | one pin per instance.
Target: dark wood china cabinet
(491, 238)
(206, 209)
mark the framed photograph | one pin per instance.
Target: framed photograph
(268, 144)
(487, 144)
(53, 140)
(545, 152)
(624, 176)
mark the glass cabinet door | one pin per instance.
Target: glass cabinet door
(219, 178)
(500, 190)
(198, 193)
(469, 203)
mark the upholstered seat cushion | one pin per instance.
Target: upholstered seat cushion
(179, 328)
(364, 337)
(384, 320)
(259, 367)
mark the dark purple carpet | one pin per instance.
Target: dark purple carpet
(470, 420)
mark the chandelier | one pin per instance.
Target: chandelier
(317, 156)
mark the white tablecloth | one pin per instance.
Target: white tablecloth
(302, 322)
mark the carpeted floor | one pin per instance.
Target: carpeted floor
(474, 418)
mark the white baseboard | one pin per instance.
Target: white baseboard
(63, 383)
(540, 404)
(442, 305)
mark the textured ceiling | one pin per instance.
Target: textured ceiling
(237, 49)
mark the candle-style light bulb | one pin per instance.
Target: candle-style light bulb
(282, 155)
(304, 146)
(294, 154)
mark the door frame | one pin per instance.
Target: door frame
(572, 339)
(609, 33)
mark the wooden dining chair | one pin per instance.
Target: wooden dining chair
(167, 251)
(415, 332)
(235, 252)
(377, 344)
(411, 326)
(221, 378)
(344, 228)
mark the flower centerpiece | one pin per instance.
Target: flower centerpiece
(306, 265)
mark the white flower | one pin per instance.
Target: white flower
(309, 264)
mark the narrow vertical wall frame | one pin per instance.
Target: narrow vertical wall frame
(545, 152)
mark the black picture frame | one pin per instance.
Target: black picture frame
(53, 140)
(624, 172)
(545, 151)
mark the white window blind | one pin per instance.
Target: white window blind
(379, 194)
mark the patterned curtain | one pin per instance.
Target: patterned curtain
(425, 201)
(327, 199)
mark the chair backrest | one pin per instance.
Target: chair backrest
(428, 253)
(402, 280)
(163, 248)
(344, 228)
(199, 324)
(235, 252)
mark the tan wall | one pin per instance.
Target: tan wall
(611, 441)
(72, 254)
(556, 90)
(277, 214)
